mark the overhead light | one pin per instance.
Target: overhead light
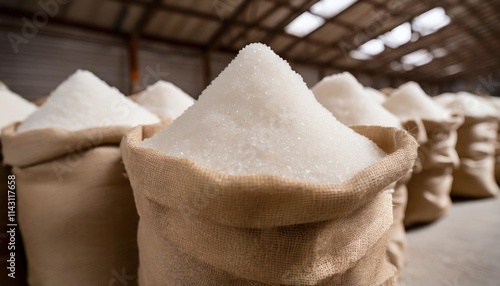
(368, 50)
(408, 67)
(372, 47)
(431, 21)
(359, 55)
(397, 36)
(453, 69)
(331, 8)
(418, 58)
(396, 66)
(304, 24)
(439, 52)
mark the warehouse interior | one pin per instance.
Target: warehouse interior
(446, 47)
(124, 40)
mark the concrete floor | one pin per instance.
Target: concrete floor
(461, 249)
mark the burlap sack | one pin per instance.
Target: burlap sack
(20, 259)
(497, 157)
(75, 207)
(430, 185)
(475, 177)
(396, 246)
(201, 227)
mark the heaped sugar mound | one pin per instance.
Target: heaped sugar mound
(259, 117)
(13, 107)
(349, 102)
(3, 86)
(377, 95)
(468, 104)
(165, 100)
(84, 101)
(410, 101)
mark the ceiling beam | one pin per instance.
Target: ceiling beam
(147, 16)
(226, 24)
(479, 39)
(389, 55)
(408, 11)
(281, 25)
(473, 73)
(260, 20)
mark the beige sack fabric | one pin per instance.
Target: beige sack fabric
(76, 209)
(396, 246)
(201, 227)
(496, 102)
(476, 148)
(430, 185)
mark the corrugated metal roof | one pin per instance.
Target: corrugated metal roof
(471, 38)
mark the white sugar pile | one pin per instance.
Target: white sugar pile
(13, 107)
(84, 101)
(259, 117)
(377, 95)
(3, 86)
(165, 100)
(468, 104)
(410, 101)
(349, 102)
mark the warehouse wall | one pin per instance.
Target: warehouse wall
(49, 57)
(182, 67)
(54, 53)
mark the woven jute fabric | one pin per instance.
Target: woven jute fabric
(76, 209)
(430, 185)
(202, 227)
(497, 157)
(5, 234)
(396, 246)
(475, 177)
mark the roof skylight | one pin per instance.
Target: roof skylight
(331, 8)
(304, 24)
(397, 36)
(418, 58)
(453, 69)
(431, 21)
(368, 50)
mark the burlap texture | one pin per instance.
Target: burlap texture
(75, 208)
(430, 185)
(497, 158)
(475, 177)
(396, 246)
(201, 227)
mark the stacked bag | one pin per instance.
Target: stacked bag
(352, 104)
(477, 137)
(76, 209)
(496, 103)
(258, 184)
(164, 99)
(430, 185)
